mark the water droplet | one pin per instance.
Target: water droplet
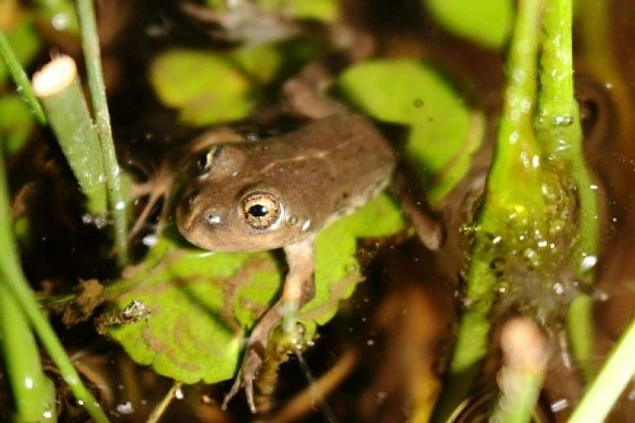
(564, 120)
(120, 205)
(60, 21)
(370, 342)
(558, 288)
(418, 102)
(351, 267)
(306, 225)
(150, 240)
(125, 408)
(559, 405)
(588, 263)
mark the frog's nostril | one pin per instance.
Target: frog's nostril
(191, 197)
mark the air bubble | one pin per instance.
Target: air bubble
(564, 120)
(350, 268)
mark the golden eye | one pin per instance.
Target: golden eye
(206, 160)
(261, 209)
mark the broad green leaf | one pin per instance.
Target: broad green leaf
(203, 304)
(205, 87)
(443, 131)
(485, 22)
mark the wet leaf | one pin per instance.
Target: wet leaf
(485, 22)
(201, 304)
(205, 87)
(444, 133)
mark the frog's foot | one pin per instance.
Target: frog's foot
(252, 362)
(254, 357)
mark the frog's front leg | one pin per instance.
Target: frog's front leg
(298, 289)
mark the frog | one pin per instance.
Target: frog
(280, 192)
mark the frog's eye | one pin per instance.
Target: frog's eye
(206, 160)
(261, 209)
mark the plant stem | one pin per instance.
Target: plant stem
(506, 210)
(21, 79)
(16, 284)
(117, 201)
(559, 132)
(525, 355)
(617, 372)
(57, 85)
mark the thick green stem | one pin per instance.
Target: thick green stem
(114, 184)
(57, 85)
(33, 392)
(16, 284)
(21, 79)
(506, 211)
(559, 132)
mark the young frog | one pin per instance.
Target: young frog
(279, 193)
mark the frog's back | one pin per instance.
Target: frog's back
(330, 167)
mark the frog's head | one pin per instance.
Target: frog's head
(227, 208)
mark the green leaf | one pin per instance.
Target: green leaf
(206, 87)
(485, 22)
(444, 133)
(202, 304)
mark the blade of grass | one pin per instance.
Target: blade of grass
(616, 373)
(33, 392)
(15, 282)
(114, 184)
(21, 79)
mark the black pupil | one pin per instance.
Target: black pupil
(258, 210)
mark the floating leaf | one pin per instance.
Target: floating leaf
(485, 22)
(201, 304)
(206, 87)
(444, 133)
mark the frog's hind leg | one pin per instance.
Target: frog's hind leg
(298, 289)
